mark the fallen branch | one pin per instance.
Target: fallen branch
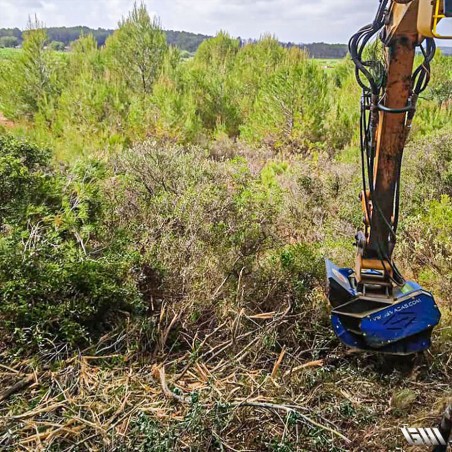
(22, 384)
(318, 363)
(50, 434)
(288, 409)
(39, 411)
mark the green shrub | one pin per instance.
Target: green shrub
(426, 227)
(25, 178)
(216, 231)
(31, 83)
(197, 218)
(60, 278)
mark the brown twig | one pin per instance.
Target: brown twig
(278, 363)
(290, 409)
(318, 363)
(38, 411)
(159, 373)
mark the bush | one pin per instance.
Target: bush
(58, 46)
(426, 226)
(197, 218)
(60, 279)
(215, 232)
(24, 178)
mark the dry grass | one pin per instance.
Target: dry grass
(4, 122)
(226, 391)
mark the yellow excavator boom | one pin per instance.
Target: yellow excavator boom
(374, 307)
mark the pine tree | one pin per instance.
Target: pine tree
(137, 50)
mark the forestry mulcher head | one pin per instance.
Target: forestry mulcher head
(380, 317)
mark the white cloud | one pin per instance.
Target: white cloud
(290, 20)
(294, 20)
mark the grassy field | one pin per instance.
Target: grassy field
(328, 62)
(7, 54)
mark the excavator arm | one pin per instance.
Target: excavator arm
(392, 111)
(374, 307)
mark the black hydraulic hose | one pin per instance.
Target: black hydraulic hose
(363, 158)
(421, 76)
(358, 43)
(389, 110)
(356, 54)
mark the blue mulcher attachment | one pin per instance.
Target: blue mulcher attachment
(399, 323)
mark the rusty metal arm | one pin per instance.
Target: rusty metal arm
(396, 110)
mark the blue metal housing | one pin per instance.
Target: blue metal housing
(408, 346)
(408, 316)
(400, 324)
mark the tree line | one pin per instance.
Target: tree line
(12, 37)
(186, 41)
(139, 85)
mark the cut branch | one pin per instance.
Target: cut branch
(22, 384)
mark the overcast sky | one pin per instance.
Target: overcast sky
(290, 20)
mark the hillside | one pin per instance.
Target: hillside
(163, 229)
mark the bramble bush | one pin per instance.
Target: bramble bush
(426, 223)
(214, 232)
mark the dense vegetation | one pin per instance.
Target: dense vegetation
(162, 213)
(183, 40)
(138, 86)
